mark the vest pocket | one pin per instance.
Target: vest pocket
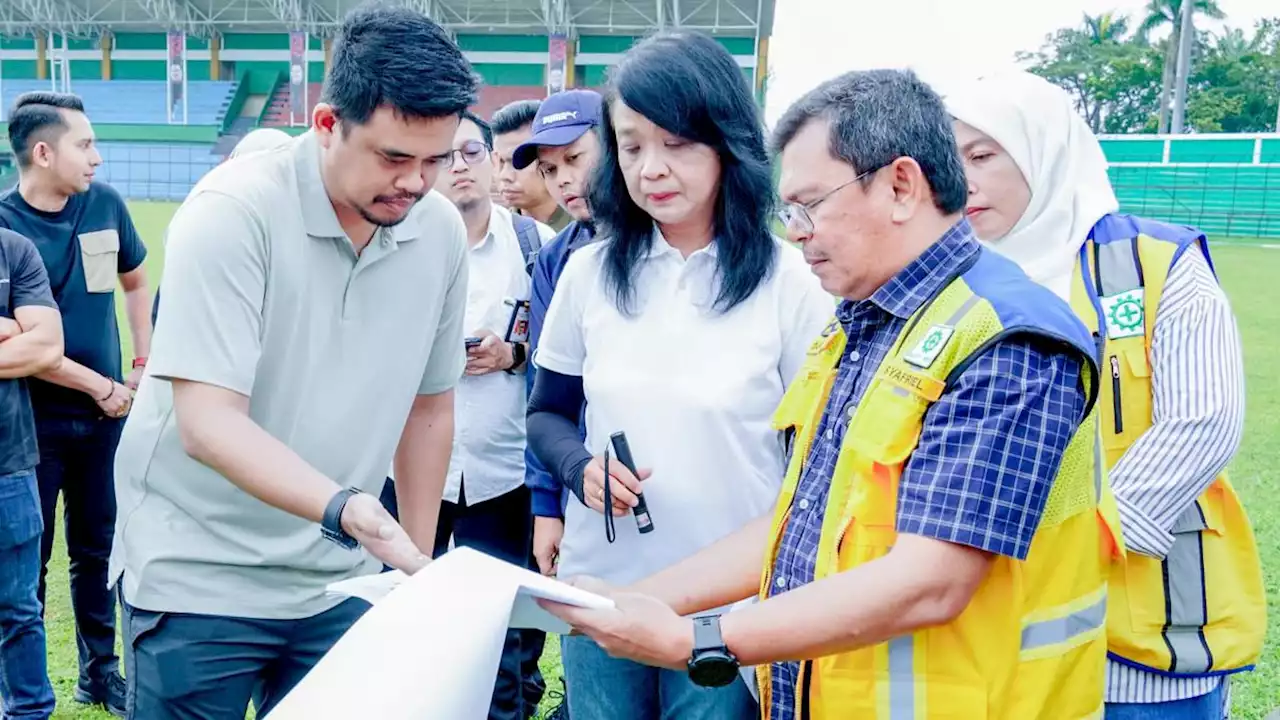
(886, 425)
(1127, 415)
(99, 253)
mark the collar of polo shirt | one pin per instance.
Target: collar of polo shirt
(317, 209)
(661, 247)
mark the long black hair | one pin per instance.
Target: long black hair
(689, 85)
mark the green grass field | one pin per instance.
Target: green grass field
(1249, 274)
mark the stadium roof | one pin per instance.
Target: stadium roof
(320, 17)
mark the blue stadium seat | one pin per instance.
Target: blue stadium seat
(137, 101)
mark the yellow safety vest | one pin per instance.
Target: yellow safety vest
(1201, 610)
(1031, 643)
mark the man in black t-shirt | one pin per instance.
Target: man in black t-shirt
(30, 342)
(88, 243)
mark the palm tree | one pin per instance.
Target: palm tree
(1107, 27)
(1169, 12)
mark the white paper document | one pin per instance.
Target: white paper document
(430, 645)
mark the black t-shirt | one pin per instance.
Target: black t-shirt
(85, 246)
(23, 283)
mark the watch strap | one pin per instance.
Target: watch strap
(518, 356)
(706, 634)
(331, 522)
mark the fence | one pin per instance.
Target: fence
(1227, 185)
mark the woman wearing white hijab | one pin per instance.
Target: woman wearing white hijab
(1172, 415)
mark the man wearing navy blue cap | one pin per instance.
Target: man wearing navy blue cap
(565, 147)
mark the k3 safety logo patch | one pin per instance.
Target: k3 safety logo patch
(1124, 314)
(930, 347)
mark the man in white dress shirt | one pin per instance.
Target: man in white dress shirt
(486, 503)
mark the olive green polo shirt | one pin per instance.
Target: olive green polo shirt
(266, 296)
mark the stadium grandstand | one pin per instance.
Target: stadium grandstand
(172, 85)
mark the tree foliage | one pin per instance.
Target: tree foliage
(1119, 77)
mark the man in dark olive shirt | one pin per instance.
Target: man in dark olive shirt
(30, 342)
(88, 243)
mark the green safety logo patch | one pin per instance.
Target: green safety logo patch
(1124, 314)
(930, 346)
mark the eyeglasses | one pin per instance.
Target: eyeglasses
(797, 214)
(472, 152)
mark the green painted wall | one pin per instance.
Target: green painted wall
(504, 43)
(142, 41)
(1271, 151)
(622, 43)
(504, 74)
(146, 133)
(22, 42)
(1133, 150)
(1216, 151)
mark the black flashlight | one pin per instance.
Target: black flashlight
(623, 451)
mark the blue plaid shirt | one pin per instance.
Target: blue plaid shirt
(987, 455)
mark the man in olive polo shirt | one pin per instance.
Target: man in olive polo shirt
(314, 302)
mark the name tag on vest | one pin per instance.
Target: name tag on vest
(915, 383)
(1125, 314)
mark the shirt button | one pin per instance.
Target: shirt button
(828, 435)
(855, 356)
(804, 503)
(781, 582)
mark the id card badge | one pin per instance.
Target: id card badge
(518, 323)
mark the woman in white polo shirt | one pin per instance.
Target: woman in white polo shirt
(682, 328)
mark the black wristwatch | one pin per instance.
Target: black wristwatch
(711, 664)
(331, 523)
(517, 357)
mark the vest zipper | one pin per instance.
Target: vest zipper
(1116, 406)
(806, 670)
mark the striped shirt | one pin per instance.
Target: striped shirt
(988, 453)
(1197, 383)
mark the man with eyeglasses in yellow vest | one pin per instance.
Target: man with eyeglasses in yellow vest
(941, 544)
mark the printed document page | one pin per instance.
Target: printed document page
(430, 645)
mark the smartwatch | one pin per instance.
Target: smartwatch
(331, 523)
(517, 357)
(711, 664)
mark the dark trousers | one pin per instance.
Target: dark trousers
(503, 528)
(207, 667)
(77, 458)
(25, 692)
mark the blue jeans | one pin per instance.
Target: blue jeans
(25, 692)
(1206, 707)
(599, 686)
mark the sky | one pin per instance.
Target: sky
(942, 40)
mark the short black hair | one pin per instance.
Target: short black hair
(37, 117)
(688, 84)
(486, 133)
(396, 57)
(514, 116)
(878, 116)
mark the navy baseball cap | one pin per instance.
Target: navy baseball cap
(562, 119)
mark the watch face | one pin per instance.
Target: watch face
(713, 670)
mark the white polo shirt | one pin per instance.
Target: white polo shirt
(489, 410)
(694, 390)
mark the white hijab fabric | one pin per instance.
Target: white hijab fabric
(1037, 124)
